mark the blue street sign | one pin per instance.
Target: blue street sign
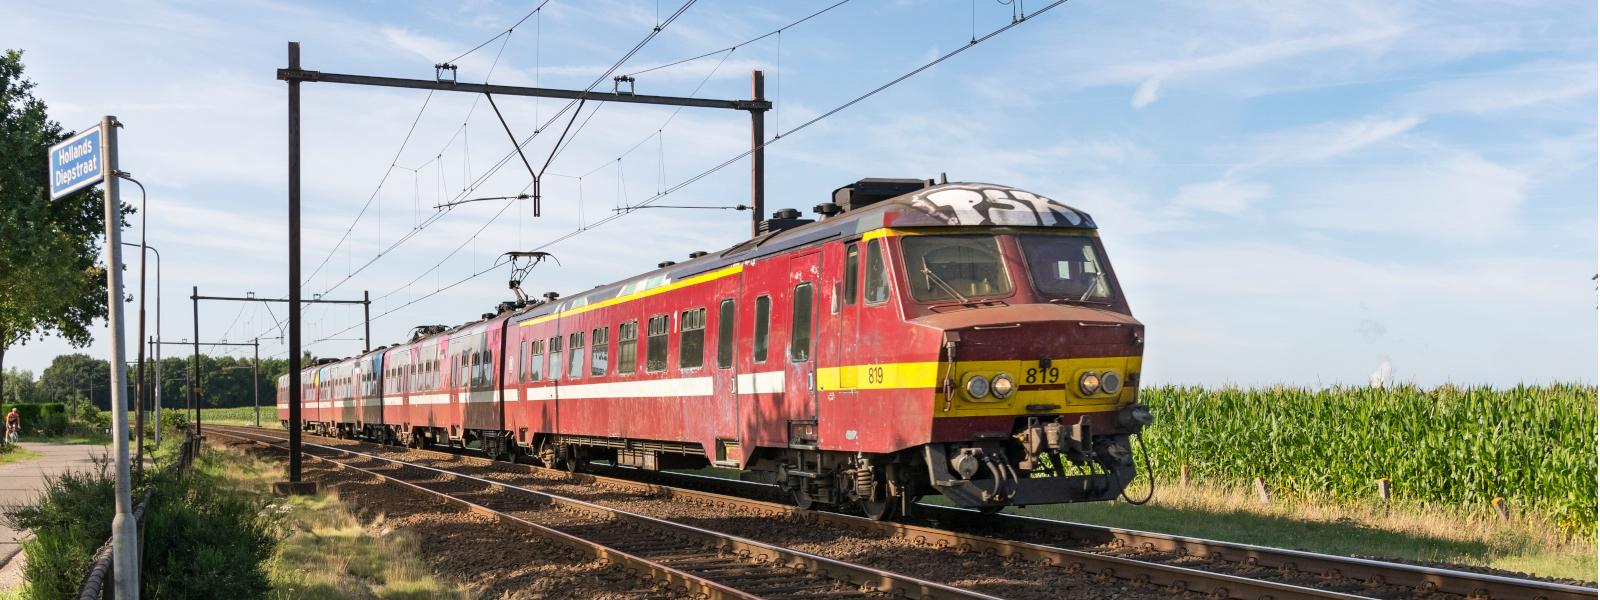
(76, 163)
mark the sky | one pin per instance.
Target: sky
(1301, 193)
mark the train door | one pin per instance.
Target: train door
(800, 365)
(723, 366)
(839, 335)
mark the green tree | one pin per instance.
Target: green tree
(19, 387)
(50, 282)
(76, 374)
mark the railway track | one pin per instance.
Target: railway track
(695, 561)
(1230, 570)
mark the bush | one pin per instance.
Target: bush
(174, 420)
(201, 540)
(70, 521)
(93, 417)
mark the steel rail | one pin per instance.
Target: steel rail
(737, 549)
(1137, 572)
(1423, 580)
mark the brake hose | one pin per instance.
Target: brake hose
(1148, 473)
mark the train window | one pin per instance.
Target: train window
(954, 267)
(599, 351)
(725, 334)
(575, 355)
(877, 276)
(692, 339)
(655, 357)
(555, 358)
(627, 347)
(536, 360)
(763, 307)
(800, 333)
(477, 370)
(1066, 267)
(852, 265)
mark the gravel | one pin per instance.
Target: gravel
(491, 559)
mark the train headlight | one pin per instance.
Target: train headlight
(977, 387)
(1002, 386)
(1110, 383)
(1089, 383)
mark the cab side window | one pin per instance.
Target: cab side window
(877, 274)
(852, 268)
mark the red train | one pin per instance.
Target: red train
(963, 339)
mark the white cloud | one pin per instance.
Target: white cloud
(1223, 195)
(1519, 87)
(1146, 93)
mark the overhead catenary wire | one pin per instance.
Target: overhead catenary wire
(469, 188)
(724, 164)
(438, 157)
(743, 43)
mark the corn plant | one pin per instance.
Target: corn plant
(1450, 445)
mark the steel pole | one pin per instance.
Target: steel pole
(124, 530)
(366, 316)
(758, 155)
(157, 350)
(294, 268)
(195, 386)
(141, 389)
(255, 375)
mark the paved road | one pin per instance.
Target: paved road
(20, 482)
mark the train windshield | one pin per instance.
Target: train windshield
(1066, 267)
(954, 267)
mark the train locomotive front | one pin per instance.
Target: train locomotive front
(1000, 367)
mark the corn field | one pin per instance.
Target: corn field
(1450, 446)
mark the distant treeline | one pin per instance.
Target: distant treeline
(76, 378)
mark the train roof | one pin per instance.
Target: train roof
(860, 207)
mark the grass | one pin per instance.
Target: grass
(92, 439)
(1415, 532)
(239, 415)
(18, 454)
(326, 551)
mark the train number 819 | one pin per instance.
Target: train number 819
(1050, 375)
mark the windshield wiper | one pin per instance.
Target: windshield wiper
(1099, 280)
(935, 278)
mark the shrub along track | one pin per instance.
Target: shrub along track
(992, 566)
(685, 560)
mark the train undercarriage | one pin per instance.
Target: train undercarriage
(1042, 461)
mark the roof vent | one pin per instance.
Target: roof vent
(867, 192)
(504, 306)
(551, 296)
(782, 220)
(487, 316)
(697, 254)
(665, 263)
(827, 209)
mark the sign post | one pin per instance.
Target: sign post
(75, 164)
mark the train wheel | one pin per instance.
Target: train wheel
(879, 510)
